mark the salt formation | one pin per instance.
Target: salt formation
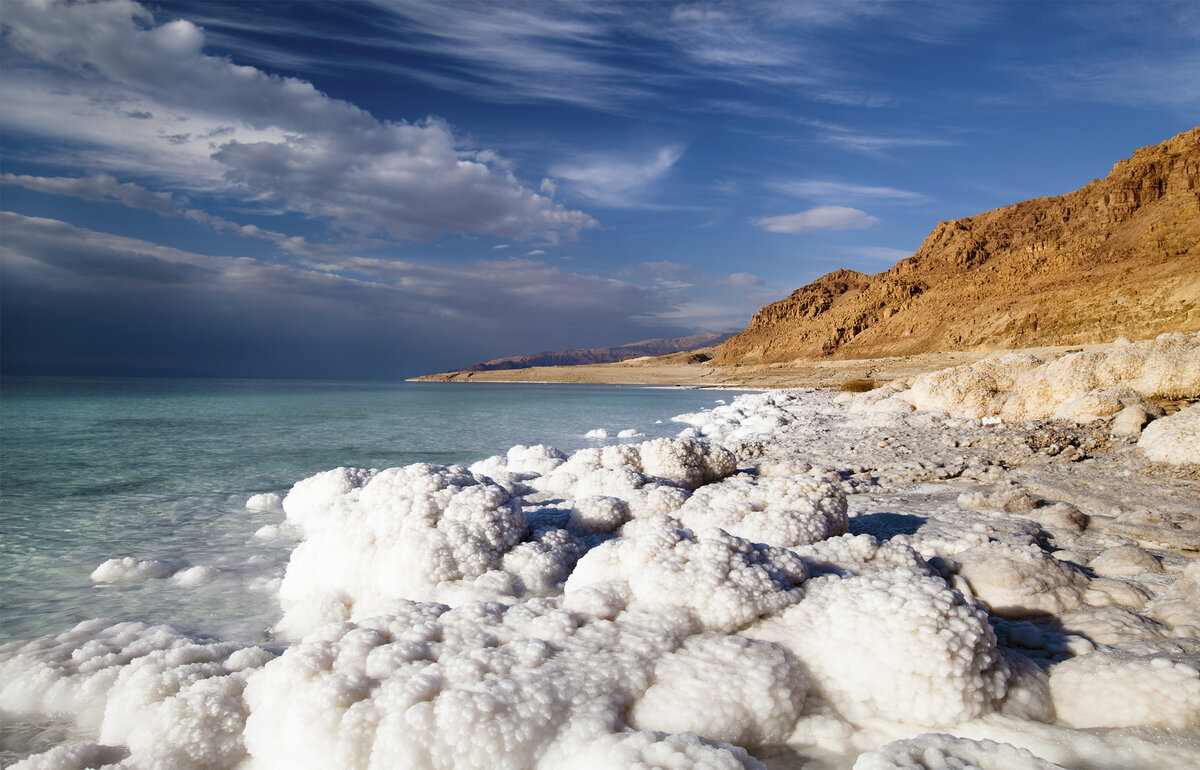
(130, 568)
(936, 751)
(875, 580)
(893, 645)
(773, 510)
(265, 501)
(170, 700)
(495, 686)
(411, 532)
(1082, 386)
(1144, 685)
(1174, 439)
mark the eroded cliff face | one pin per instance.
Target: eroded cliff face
(1119, 257)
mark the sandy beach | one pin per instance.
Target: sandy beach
(682, 370)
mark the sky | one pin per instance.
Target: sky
(376, 189)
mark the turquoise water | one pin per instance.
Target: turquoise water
(92, 469)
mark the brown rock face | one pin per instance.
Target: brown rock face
(1119, 257)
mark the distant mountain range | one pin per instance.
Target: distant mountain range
(654, 347)
(1119, 257)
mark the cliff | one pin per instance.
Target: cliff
(1119, 257)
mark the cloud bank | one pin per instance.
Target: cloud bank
(132, 97)
(101, 302)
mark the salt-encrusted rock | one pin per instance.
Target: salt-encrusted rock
(266, 501)
(725, 582)
(935, 751)
(1179, 606)
(130, 568)
(422, 531)
(1145, 687)
(896, 645)
(169, 700)
(506, 687)
(1130, 421)
(729, 688)
(1021, 581)
(1111, 625)
(598, 513)
(773, 510)
(1006, 497)
(1100, 403)
(1174, 439)
(1124, 561)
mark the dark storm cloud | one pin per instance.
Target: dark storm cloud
(94, 299)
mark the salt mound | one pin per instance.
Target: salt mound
(1083, 386)
(1116, 688)
(774, 510)
(742, 691)
(421, 532)
(749, 416)
(899, 646)
(131, 569)
(172, 701)
(617, 470)
(1021, 581)
(266, 501)
(1174, 439)
(725, 582)
(492, 686)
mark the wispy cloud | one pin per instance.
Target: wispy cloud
(820, 218)
(819, 189)
(105, 188)
(617, 180)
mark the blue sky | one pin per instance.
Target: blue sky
(385, 188)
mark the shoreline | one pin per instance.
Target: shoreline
(674, 371)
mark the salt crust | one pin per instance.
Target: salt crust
(784, 511)
(1083, 386)
(172, 701)
(1174, 439)
(490, 686)
(893, 644)
(669, 628)
(129, 568)
(724, 582)
(1141, 686)
(935, 751)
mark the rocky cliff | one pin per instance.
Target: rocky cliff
(1119, 257)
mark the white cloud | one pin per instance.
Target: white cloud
(827, 190)
(99, 187)
(820, 218)
(127, 96)
(617, 180)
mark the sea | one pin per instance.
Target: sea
(93, 469)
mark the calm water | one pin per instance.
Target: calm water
(92, 469)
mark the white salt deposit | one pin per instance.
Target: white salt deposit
(130, 568)
(876, 580)
(266, 501)
(1174, 439)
